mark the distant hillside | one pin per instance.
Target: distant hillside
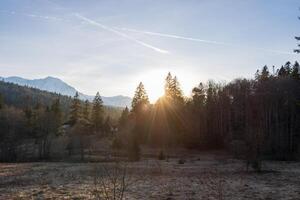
(52, 84)
(22, 97)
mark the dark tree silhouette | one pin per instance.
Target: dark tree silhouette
(97, 113)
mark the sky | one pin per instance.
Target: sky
(111, 45)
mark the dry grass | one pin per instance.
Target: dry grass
(210, 177)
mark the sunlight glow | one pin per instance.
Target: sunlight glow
(154, 81)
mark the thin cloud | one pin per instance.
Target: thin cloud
(33, 15)
(173, 36)
(92, 22)
(201, 40)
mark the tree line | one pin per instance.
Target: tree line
(34, 118)
(258, 117)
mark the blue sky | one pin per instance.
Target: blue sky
(109, 46)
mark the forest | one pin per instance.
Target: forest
(254, 119)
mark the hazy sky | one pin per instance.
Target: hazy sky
(110, 46)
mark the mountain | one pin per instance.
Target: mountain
(52, 84)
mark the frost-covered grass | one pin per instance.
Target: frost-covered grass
(200, 177)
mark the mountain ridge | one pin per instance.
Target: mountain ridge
(53, 84)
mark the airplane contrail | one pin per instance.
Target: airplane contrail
(33, 15)
(173, 36)
(92, 22)
(200, 40)
(115, 30)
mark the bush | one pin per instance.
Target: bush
(161, 155)
(117, 143)
(256, 165)
(134, 152)
(181, 161)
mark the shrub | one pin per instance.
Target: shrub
(161, 155)
(181, 161)
(116, 143)
(134, 150)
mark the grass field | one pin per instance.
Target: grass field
(202, 176)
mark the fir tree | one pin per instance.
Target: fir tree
(140, 99)
(287, 67)
(176, 91)
(86, 111)
(282, 72)
(168, 85)
(97, 113)
(56, 116)
(295, 71)
(198, 94)
(172, 89)
(1, 101)
(55, 108)
(124, 118)
(264, 73)
(75, 113)
(107, 125)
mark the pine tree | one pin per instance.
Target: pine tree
(287, 67)
(295, 71)
(134, 151)
(1, 102)
(55, 108)
(107, 125)
(176, 91)
(97, 113)
(168, 85)
(124, 118)
(86, 111)
(173, 105)
(264, 73)
(297, 50)
(172, 89)
(140, 99)
(75, 113)
(56, 116)
(140, 111)
(282, 72)
(198, 95)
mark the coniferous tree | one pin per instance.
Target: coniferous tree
(107, 126)
(134, 151)
(140, 111)
(75, 110)
(173, 109)
(1, 101)
(295, 71)
(140, 100)
(287, 67)
(86, 111)
(124, 118)
(297, 50)
(56, 116)
(282, 72)
(198, 115)
(264, 73)
(198, 95)
(169, 85)
(97, 113)
(176, 91)
(173, 91)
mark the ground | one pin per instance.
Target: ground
(201, 176)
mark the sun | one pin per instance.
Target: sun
(154, 81)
